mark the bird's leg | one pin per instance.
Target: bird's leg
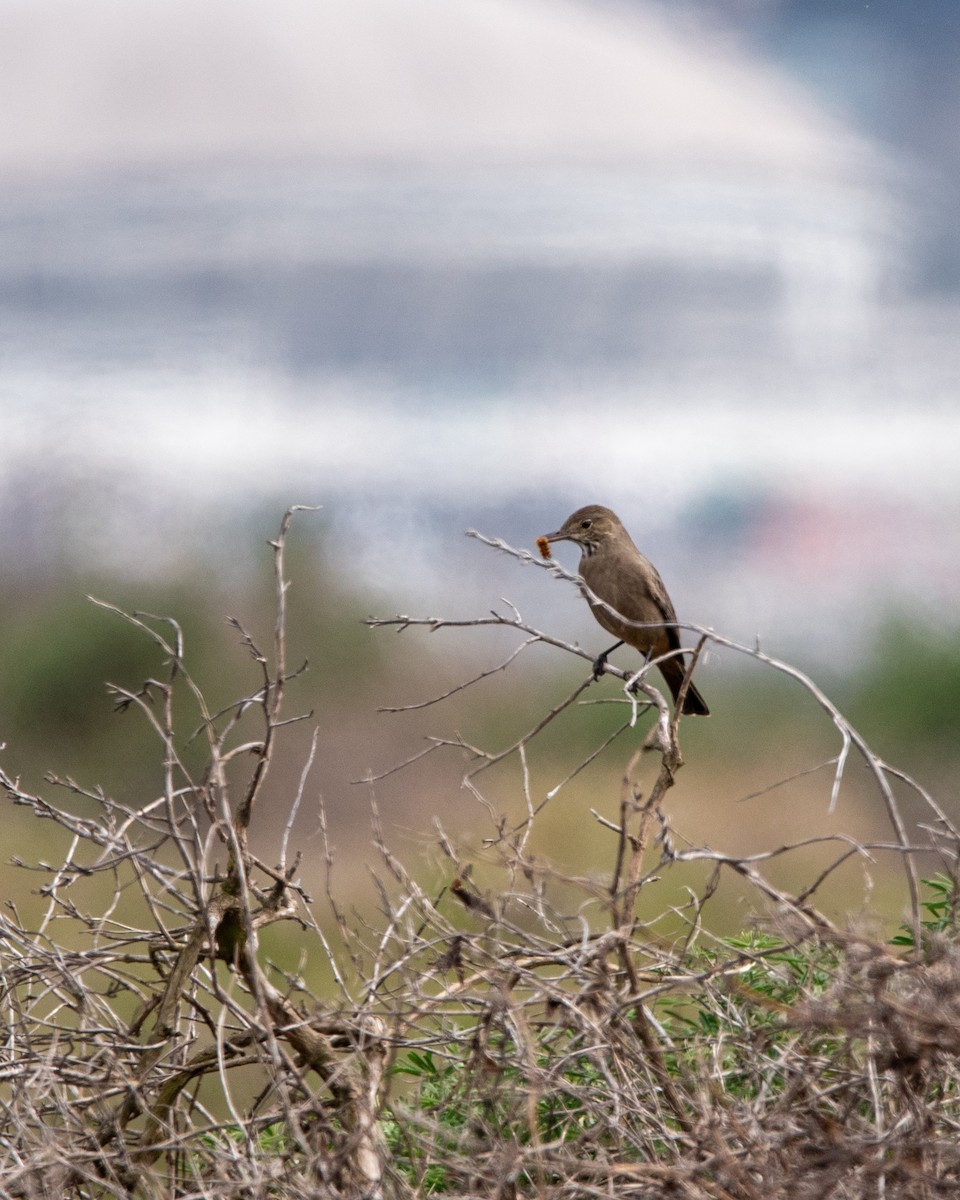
(635, 685)
(600, 663)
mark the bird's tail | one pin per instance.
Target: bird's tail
(674, 671)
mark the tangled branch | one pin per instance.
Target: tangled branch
(511, 1029)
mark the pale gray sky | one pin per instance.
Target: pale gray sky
(126, 81)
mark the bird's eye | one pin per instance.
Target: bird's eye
(585, 524)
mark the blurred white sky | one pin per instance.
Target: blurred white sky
(109, 82)
(428, 256)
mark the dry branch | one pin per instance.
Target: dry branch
(513, 1030)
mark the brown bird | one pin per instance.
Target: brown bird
(614, 570)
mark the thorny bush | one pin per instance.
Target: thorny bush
(536, 1038)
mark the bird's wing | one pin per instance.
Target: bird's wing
(658, 593)
(659, 596)
(638, 593)
(630, 584)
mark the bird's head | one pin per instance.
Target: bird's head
(589, 527)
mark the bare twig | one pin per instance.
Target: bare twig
(508, 1029)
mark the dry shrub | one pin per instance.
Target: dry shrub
(532, 1035)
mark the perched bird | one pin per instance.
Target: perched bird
(614, 570)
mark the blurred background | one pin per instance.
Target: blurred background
(441, 265)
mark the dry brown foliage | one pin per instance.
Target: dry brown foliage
(533, 1036)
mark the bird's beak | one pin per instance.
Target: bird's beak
(559, 536)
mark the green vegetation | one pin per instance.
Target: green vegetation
(907, 695)
(777, 1039)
